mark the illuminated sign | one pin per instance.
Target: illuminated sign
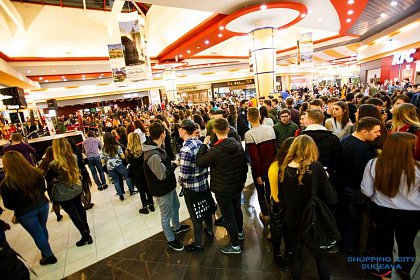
(405, 56)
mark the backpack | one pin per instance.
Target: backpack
(318, 230)
(416, 101)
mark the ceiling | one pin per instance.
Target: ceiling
(65, 41)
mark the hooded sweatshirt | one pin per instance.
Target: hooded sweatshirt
(228, 167)
(159, 171)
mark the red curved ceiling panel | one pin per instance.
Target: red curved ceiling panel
(343, 7)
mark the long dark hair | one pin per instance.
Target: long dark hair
(48, 158)
(199, 120)
(345, 118)
(388, 170)
(21, 175)
(263, 113)
(139, 124)
(110, 145)
(284, 149)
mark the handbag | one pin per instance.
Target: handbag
(200, 204)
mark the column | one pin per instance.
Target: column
(170, 84)
(263, 50)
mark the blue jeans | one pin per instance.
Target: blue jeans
(169, 210)
(35, 223)
(120, 169)
(95, 164)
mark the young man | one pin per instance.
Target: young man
(91, 146)
(354, 156)
(328, 144)
(261, 143)
(293, 112)
(160, 178)
(19, 146)
(272, 110)
(285, 128)
(228, 169)
(194, 180)
(242, 123)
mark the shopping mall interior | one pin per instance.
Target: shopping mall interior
(81, 57)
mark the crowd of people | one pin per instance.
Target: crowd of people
(340, 147)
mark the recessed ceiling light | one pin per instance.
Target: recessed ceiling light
(46, 81)
(350, 12)
(29, 71)
(350, 2)
(394, 3)
(63, 77)
(221, 27)
(83, 76)
(310, 12)
(54, 71)
(102, 74)
(65, 80)
(77, 70)
(40, 78)
(348, 20)
(303, 15)
(180, 55)
(220, 35)
(263, 7)
(319, 19)
(206, 42)
(188, 51)
(100, 77)
(383, 15)
(198, 48)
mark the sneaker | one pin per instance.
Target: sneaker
(59, 218)
(144, 210)
(219, 222)
(104, 187)
(133, 192)
(182, 228)
(210, 235)
(152, 207)
(177, 246)
(241, 235)
(48, 260)
(100, 188)
(191, 248)
(121, 197)
(89, 206)
(229, 249)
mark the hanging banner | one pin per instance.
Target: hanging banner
(305, 48)
(129, 59)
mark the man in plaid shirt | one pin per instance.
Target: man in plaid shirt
(193, 179)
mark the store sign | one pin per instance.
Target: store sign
(405, 56)
(233, 83)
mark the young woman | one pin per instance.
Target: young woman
(112, 153)
(296, 174)
(134, 155)
(141, 130)
(27, 199)
(265, 119)
(339, 120)
(405, 120)
(44, 165)
(64, 176)
(273, 176)
(394, 188)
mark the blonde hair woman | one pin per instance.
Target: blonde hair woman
(134, 155)
(405, 119)
(64, 176)
(296, 175)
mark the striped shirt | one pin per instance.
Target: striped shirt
(191, 176)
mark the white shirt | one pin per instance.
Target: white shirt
(402, 201)
(142, 135)
(268, 121)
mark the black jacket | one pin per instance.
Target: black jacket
(228, 167)
(329, 147)
(242, 122)
(159, 171)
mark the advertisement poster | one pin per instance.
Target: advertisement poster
(129, 58)
(305, 48)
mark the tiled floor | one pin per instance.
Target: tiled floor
(128, 245)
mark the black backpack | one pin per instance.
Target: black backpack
(318, 230)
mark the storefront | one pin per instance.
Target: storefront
(244, 88)
(195, 94)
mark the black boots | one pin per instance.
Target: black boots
(48, 260)
(86, 239)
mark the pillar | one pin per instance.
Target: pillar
(170, 84)
(263, 51)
